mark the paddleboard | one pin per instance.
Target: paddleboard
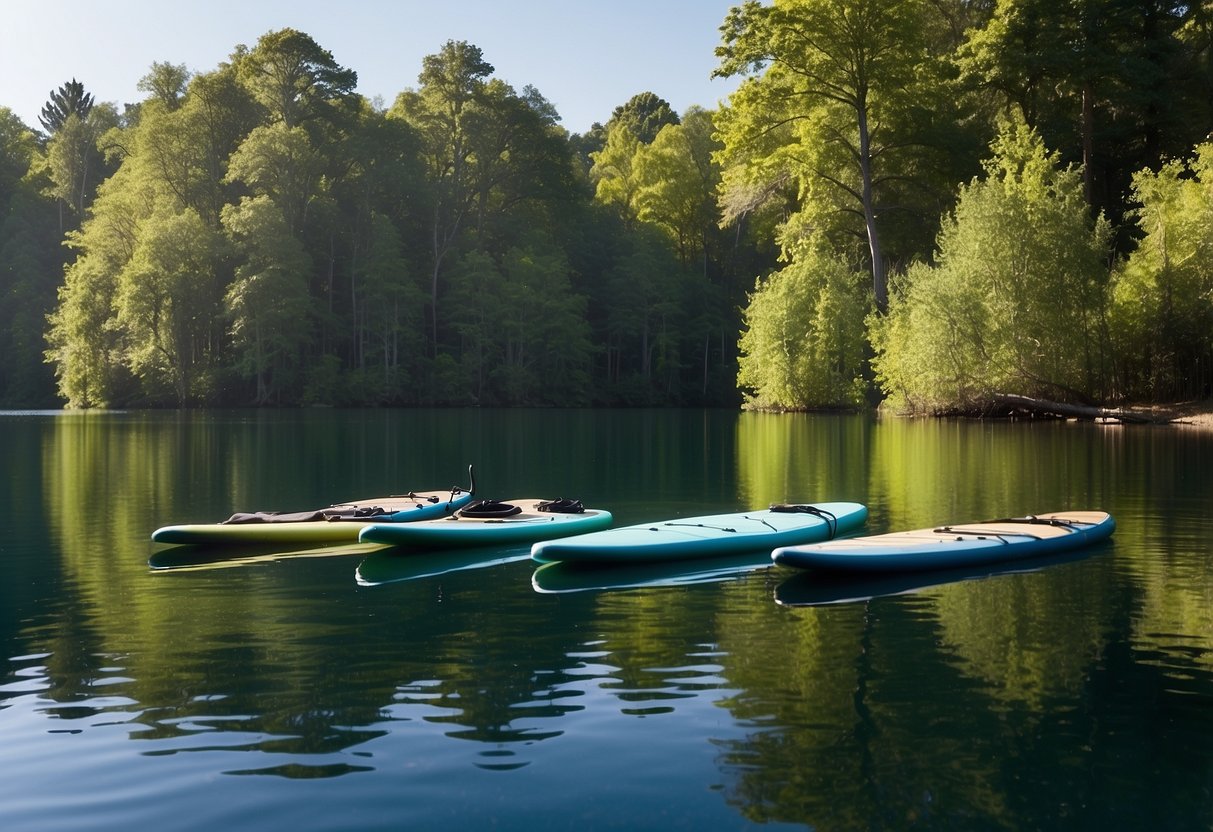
(944, 547)
(485, 523)
(338, 523)
(708, 536)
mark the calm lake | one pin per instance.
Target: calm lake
(381, 690)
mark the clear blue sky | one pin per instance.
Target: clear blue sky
(585, 57)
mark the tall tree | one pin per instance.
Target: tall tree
(69, 100)
(614, 173)
(31, 257)
(452, 81)
(268, 300)
(294, 78)
(166, 83)
(280, 162)
(644, 114)
(1162, 310)
(166, 300)
(677, 181)
(389, 314)
(74, 161)
(1109, 83)
(830, 84)
(493, 157)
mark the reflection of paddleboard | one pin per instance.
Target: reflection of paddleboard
(180, 558)
(811, 589)
(562, 576)
(390, 566)
(334, 524)
(492, 523)
(710, 536)
(970, 544)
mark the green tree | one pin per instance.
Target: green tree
(830, 89)
(1162, 309)
(614, 174)
(389, 306)
(546, 337)
(644, 115)
(219, 113)
(166, 83)
(804, 341)
(452, 81)
(30, 268)
(294, 78)
(522, 159)
(166, 301)
(1018, 298)
(614, 171)
(1112, 84)
(494, 160)
(525, 337)
(279, 162)
(86, 345)
(74, 162)
(677, 180)
(643, 310)
(268, 301)
(69, 100)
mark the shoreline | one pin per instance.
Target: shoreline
(1186, 414)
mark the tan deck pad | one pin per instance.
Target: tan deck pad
(921, 537)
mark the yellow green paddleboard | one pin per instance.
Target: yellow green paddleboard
(338, 523)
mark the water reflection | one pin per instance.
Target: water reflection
(193, 557)
(809, 589)
(394, 564)
(562, 576)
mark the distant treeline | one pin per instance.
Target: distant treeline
(927, 202)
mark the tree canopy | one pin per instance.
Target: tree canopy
(929, 203)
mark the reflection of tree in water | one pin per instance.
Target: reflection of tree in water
(983, 704)
(275, 665)
(640, 647)
(857, 732)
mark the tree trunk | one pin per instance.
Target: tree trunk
(1088, 143)
(1044, 407)
(880, 286)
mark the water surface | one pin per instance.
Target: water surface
(382, 690)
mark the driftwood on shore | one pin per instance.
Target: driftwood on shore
(1047, 409)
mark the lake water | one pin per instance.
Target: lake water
(383, 690)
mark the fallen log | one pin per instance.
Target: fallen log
(1046, 408)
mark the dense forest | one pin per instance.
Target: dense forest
(922, 202)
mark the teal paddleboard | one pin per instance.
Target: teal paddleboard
(944, 547)
(708, 536)
(521, 521)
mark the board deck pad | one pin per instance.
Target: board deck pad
(527, 525)
(955, 545)
(343, 524)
